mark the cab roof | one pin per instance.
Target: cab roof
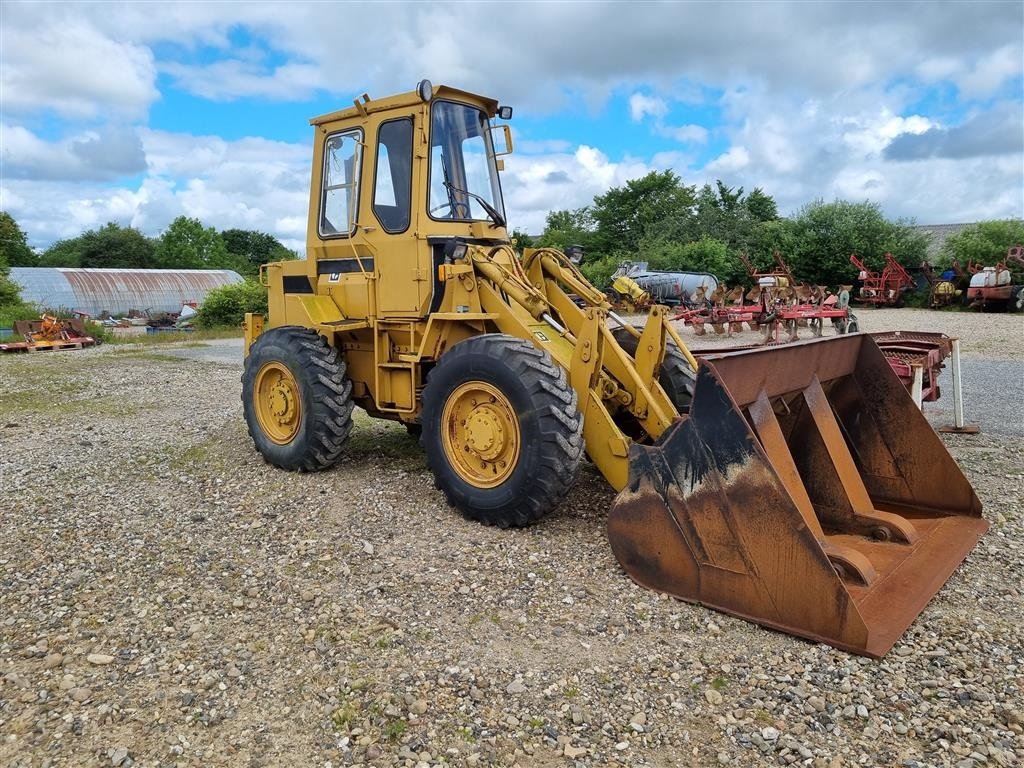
(365, 106)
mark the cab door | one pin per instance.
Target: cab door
(403, 282)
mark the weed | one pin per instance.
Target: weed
(343, 716)
(395, 730)
(719, 683)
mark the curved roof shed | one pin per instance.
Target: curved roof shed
(118, 290)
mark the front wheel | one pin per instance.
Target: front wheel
(501, 430)
(297, 399)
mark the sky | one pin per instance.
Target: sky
(140, 112)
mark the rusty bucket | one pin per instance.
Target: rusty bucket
(804, 492)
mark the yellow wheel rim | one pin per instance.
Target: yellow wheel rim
(277, 401)
(480, 434)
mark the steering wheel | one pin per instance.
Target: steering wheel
(453, 209)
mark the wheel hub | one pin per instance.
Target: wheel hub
(277, 402)
(484, 432)
(480, 434)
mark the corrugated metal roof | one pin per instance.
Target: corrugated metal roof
(118, 290)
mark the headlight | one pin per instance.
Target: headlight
(425, 90)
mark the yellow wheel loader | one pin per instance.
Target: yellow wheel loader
(797, 487)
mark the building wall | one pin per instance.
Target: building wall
(118, 290)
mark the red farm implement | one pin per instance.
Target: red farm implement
(885, 288)
(993, 287)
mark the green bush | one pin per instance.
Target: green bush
(228, 304)
(18, 311)
(98, 331)
(599, 271)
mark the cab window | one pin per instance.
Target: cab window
(392, 194)
(463, 175)
(340, 197)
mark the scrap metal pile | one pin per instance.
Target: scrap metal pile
(779, 304)
(49, 334)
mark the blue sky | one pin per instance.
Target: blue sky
(139, 112)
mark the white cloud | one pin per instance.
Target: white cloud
(641, 105)
(234, 78)
(798, 151)
(989, 72)
(250, 183)
(93, 155)
(685, 134)
(72, 68)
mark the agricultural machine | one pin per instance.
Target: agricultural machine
(885, 288)
(780, 304)
(667, 288)
(49, 334)
(795, 486)
(627, 295)
(943, 289)
(993, 287)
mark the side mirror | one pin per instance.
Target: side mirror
(501, 140)
(505, 113)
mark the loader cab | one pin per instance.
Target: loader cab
(394, 180)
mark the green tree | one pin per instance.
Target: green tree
(14, 248)
(823, 235)
(624, 215)
(250, 249)
(111, 246)
(760, 206)
(984, 243)
(522, 239)
(63, 253)
(562, 228)
(186, 244)
(704, 255)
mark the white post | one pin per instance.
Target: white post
(918, 385)
(958, 394)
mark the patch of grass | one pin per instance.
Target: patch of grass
(719, 683)
(572, 692)
(395, 730)
(55, 402)
(763, 717)
(342, 717)
(466, 734)
(171, 337)
(536, 722)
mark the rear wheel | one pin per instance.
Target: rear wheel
(501, 430)
(676, 377)
(297, 399)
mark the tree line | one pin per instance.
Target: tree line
(185, 244)
(675, 226)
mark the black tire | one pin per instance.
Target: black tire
(325, 394)
(414, 428)
(550, 425)
(676, 376)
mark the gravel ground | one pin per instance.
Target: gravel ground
(168, 599)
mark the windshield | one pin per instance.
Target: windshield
(463, 177)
